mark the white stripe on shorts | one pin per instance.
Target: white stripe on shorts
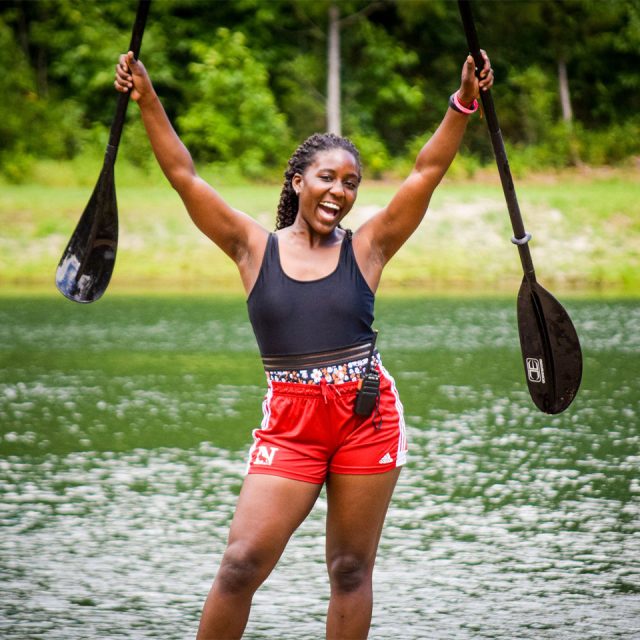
(402, 435)
(266, 416)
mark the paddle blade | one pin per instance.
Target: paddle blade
(87, 263)
(550, 349)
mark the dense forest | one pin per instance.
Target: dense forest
(245, 80)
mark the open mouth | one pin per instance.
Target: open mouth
(330, 208)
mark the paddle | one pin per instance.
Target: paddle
(550, 347)
(87, 263)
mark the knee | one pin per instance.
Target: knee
(349, 572)
(240, 570)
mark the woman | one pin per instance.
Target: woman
(310, 288)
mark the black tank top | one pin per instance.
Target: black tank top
(292, 317)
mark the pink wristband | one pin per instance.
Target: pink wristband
(456, 105)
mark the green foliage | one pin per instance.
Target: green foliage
(374, 155)
(246, 93)
(532, 102)
(612, 145)
(31, 125)
(382, 97)
(20, 104)
(231, 115)
(300, 96)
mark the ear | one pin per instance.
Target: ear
(296, 183)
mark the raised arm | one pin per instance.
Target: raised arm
(233, 231)
(378, 239)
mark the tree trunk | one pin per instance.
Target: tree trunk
(567, 111)
(565, 97)
(333, 75)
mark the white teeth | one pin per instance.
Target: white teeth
(330, 205)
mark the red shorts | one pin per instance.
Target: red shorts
(310, 430)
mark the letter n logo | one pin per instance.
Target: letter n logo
(265, 455)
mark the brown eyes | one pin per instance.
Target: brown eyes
(349, 184)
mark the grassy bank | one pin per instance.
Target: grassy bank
(585, 226)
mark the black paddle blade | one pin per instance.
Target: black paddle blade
(87, 263)
(550, 349)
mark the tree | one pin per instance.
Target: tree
(231, 115)
(576, 61)
(334, 124)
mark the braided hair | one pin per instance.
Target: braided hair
(302, 157)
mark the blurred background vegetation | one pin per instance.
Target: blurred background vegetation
(245, 80)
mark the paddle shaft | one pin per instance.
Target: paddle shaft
(86, 265)
(499, 151)
(123, 99)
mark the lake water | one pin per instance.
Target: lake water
(124, 427)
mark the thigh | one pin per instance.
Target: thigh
(269, 510)
(357, 507)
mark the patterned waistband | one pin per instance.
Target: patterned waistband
(333, 367)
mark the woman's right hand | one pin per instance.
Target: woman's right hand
(132, 76)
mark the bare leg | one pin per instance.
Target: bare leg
(269, 510)
(357, 509)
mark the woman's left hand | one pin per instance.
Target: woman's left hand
(470, 86)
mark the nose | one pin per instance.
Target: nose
(337, 188)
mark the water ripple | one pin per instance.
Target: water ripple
(123, 451)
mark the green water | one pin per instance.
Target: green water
(124, 426)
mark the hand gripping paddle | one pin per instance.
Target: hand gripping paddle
(87, 263)
(550, 346)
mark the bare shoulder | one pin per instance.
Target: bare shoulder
(384, 233)
(234, 231)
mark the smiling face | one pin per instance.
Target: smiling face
(327, 189)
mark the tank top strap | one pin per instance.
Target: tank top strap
(271, 254)
(270, 268)
(272, 245)
(346, 251)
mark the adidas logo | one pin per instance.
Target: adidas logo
(386, 459)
